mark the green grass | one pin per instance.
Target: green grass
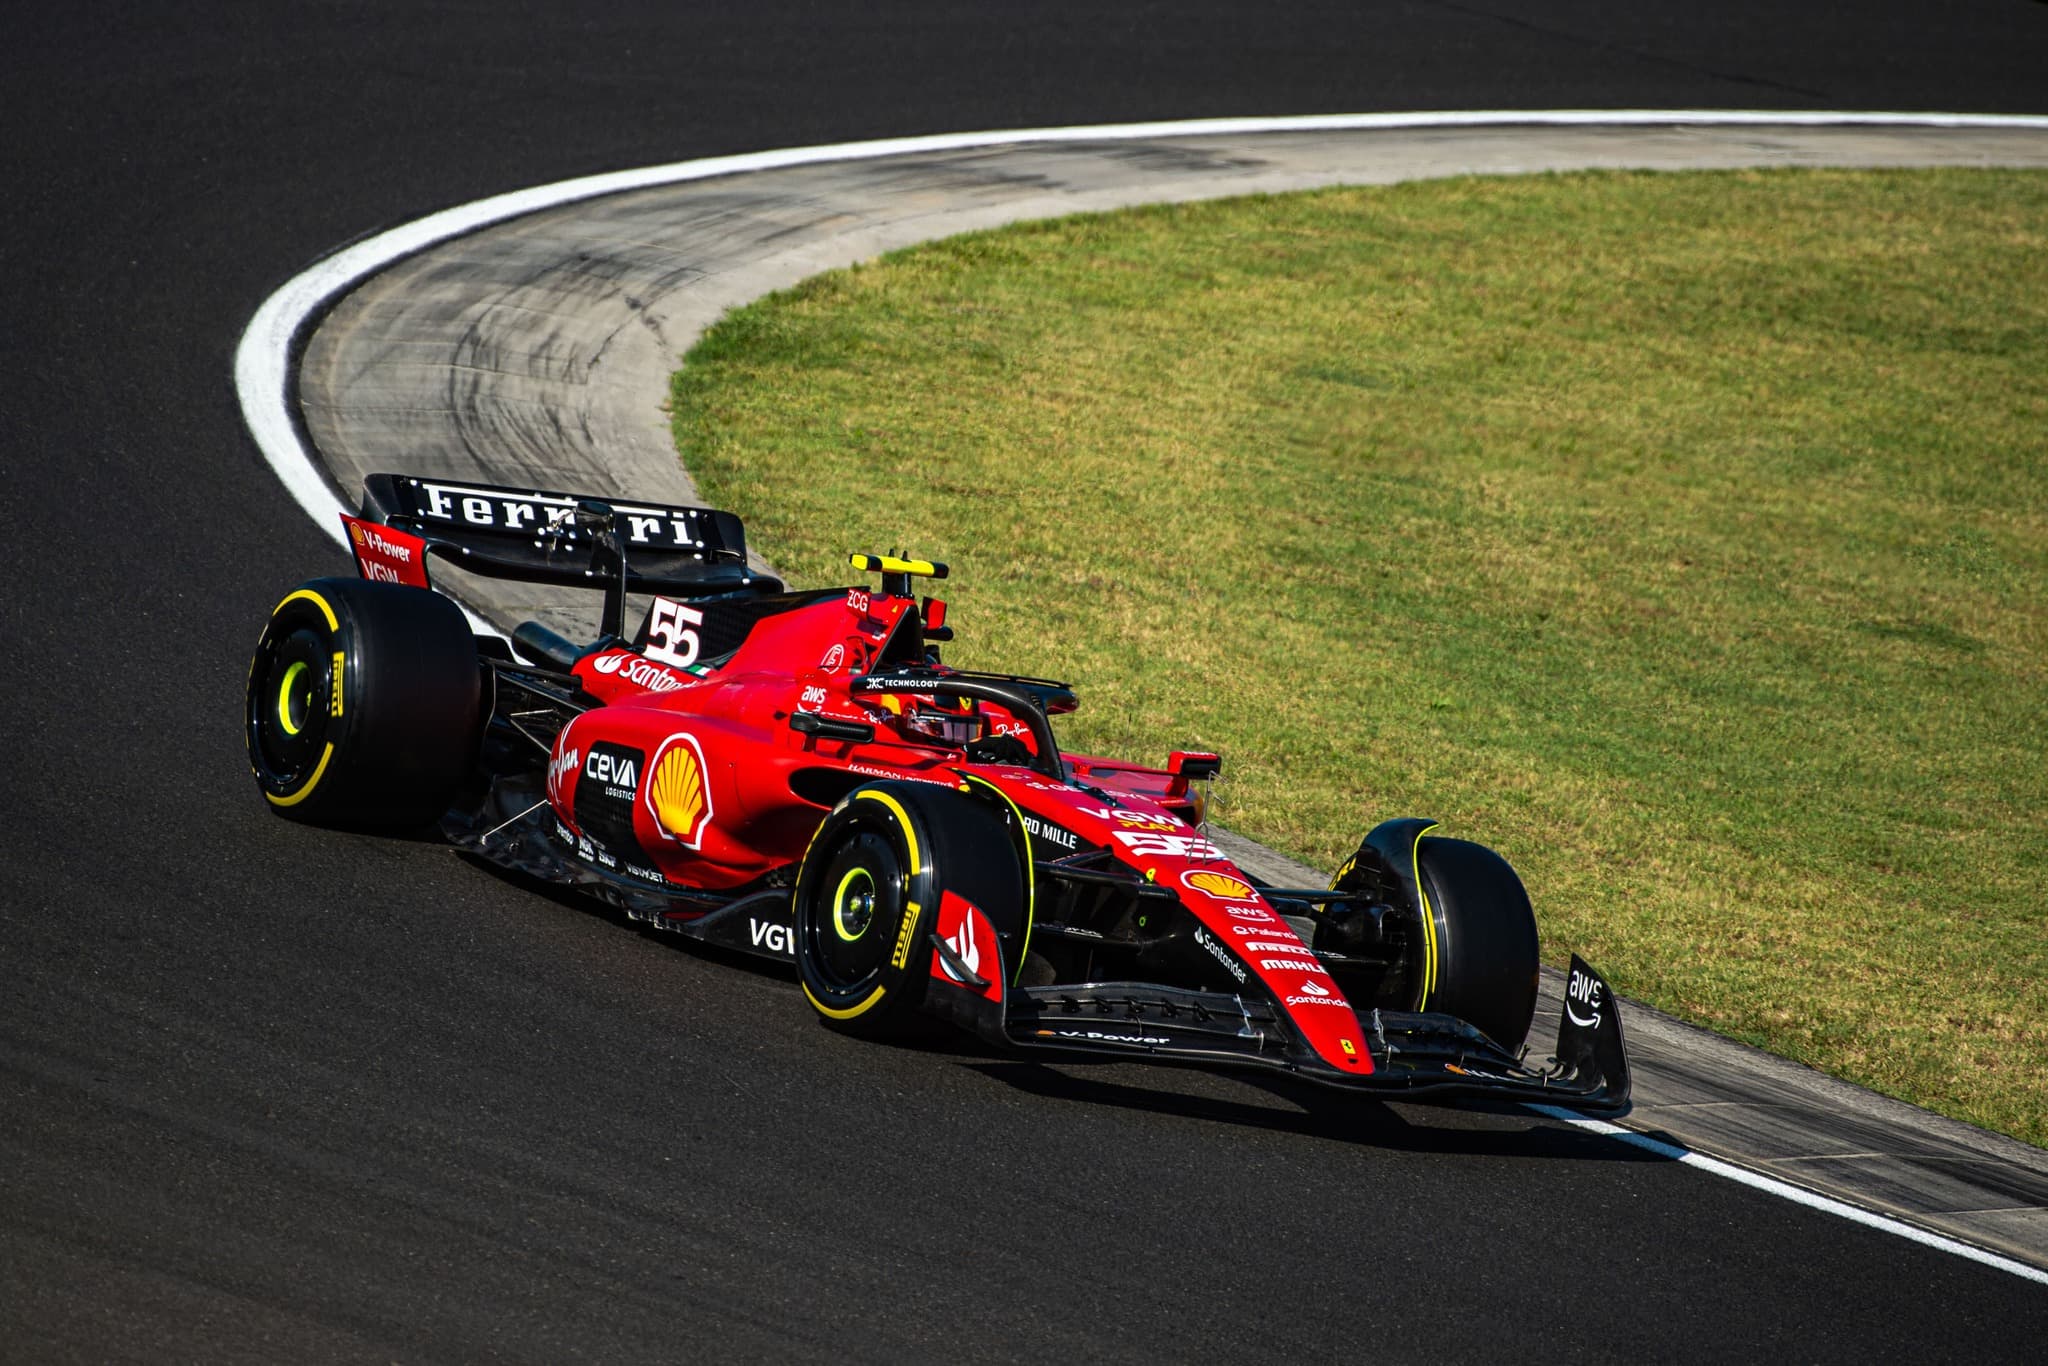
(1684, 537)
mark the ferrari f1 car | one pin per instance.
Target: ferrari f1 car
(799, 775)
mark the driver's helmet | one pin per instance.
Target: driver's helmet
(958, 724)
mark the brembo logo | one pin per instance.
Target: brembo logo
(642, 673)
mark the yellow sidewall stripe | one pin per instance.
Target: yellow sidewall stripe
(1428, 919)
(311, 782)
(1030, 871)
(333, 622)
(850, 1011)
(909, 831)
(912, 909)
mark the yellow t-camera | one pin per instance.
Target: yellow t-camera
(890, 564)
(897, 572)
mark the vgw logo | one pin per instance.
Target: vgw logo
(775, 938)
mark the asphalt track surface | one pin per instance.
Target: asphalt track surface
(536, 352)
(271, 1093)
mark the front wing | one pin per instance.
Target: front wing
(1424, 1056)
(1419, 1056)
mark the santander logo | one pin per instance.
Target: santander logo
(641, 673)
(962, 942)
(1314, 993)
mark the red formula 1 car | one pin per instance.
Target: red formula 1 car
(799, 775)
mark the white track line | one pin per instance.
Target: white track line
(269, 345)
(1798, 1195)
(264, 358)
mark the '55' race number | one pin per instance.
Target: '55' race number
(1172, 846)
(670, 634)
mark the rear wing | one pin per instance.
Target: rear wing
(561, 538)
(566, 539)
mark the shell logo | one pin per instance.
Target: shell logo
(355, 533)
(678, 791)
(1222, 886)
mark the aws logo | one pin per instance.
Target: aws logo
(678, 791)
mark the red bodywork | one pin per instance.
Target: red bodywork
(711, 799)
(747, 745)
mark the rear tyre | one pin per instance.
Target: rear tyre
(867, 899)
(364, 704)
(1485, 940)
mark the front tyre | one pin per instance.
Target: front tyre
(867, 898)
(1484, 968)
(364, 704)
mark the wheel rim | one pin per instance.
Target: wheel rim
(853, 914)
(293, 702)
(853, 905)
(288, 714)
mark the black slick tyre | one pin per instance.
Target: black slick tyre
(364, 705)
(867, 898)
(1481, 963)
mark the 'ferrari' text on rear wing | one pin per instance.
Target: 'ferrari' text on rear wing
(538, 536)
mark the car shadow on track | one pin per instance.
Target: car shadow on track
(1314, 1112)
(1300, 1108)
